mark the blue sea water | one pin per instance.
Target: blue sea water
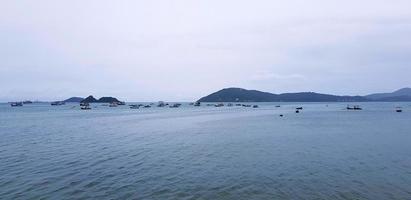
(324, 152)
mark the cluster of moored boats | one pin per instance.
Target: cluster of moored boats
(86, 106)
(231, 105)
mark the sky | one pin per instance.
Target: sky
(181, 50)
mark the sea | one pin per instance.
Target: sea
(206, 152)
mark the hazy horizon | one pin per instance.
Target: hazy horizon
(183, 50)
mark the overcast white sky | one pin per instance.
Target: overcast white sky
(178, 50)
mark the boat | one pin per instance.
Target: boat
(281, 115)
(134, 106)
(238, 104)
(219, 105)
(277, 106)
(299, 108)
(113, 104)
(398, 109)
(356, 107)
(255, 106)
(230, 105)
(297, 111)
(85, 106)
(176, 105)
(27, 102)
(245, 105)
(197, 103)
(57, 103)
(147, 106)
(121, 103)
(161, 104)
(16, 104)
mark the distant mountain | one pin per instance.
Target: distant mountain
(403, 94)
(91, 99)
(108, 100)
(243, 95)
(74, 100)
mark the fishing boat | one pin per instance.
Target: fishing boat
(16, 104)
(398, 109)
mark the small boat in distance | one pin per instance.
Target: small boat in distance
(299, 108)
(197, 103)
(134, 106)
(57, 103)
(219, 105)
(255, 106)
(356, 107)
(16, 104)
(113, 104)
(398, 109)
(176, 105)
(121, 103)
(161, 104)
(147, 106)
(277, 106)
(85, 106)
